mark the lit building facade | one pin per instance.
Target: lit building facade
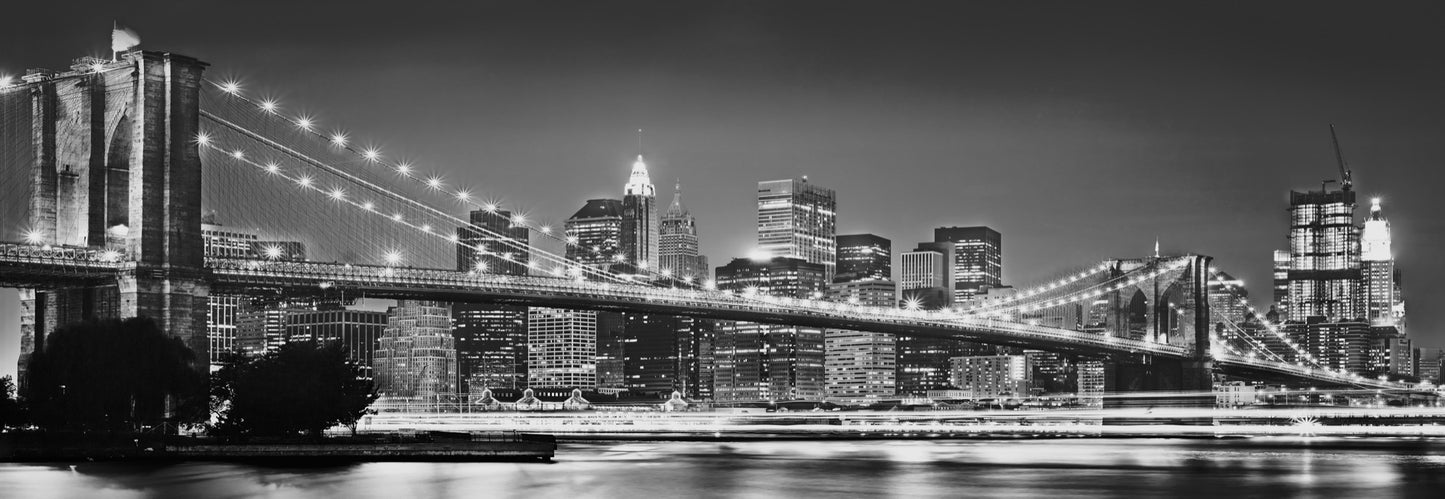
(977, 257)
(596, 230)
(415, 364)
(493, 243)
(755, 362)
(561, 348)
(491, 341)
(358, 331)
(1281, 281)
(992, 376)
(925, 273)
(864, 257)
(1382, 306)
(679, 249)
(640, 226)
(491, 338)
(797, 219)
(860, 366)
(1324, 268)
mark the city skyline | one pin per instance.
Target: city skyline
(1237, 218)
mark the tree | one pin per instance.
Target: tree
(9, 407)
(113, 375)
(300, 388)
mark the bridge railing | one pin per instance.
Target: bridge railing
(61, 255)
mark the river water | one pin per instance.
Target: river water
(1066, 468)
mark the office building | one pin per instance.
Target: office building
(925, 277)
(992, 376)
(754, 362)
(797, 219)
(493, 244)
(1324, 267)
(491, 341)
(640, 225)
(1377, 262)
(860, 367)
(595, 231)
(561, 348)
(357, 331)
(679, 249)
(977, 258)
(864, 257)
(415, 364)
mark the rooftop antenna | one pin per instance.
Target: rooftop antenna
(1345, 182)
(639, 142)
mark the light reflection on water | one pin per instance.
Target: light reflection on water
(937, 468)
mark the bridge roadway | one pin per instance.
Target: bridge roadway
(23, 265)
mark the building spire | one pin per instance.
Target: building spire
(638, 183)
(676, 206)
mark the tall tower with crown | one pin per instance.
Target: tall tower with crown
(640, 222)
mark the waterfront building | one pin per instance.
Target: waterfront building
(491, 338)
(666, 353)
(992, 376)
(1091, 382)
(797, 219)
(415, 364)
(358, 331)
(755, 362)
(1333, 344)
(561, 348)
(491, 341)
(860, 366)
(977, 258)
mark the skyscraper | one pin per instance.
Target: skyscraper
(678, 244)
(1324, 268)
(1281, 281)
(860, 366)
(1378, 269)
(797, 219)
(596, 229)
(864, 257)
(493, 244)
(491, 338)
(978, 258)
(416, 359)
(639, 218)
(491, 342)
(763, 361)
(561, 348)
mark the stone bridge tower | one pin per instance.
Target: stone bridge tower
(116, 166)
(1172, 308)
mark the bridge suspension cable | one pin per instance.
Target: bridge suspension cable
(432, 183)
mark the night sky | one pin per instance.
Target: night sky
(1080, 130)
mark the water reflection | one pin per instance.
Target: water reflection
(979, 468)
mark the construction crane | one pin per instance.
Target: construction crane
(1345, 181)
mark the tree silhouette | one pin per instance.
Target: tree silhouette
(300, 388)
(113, 375)
(9, 407)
